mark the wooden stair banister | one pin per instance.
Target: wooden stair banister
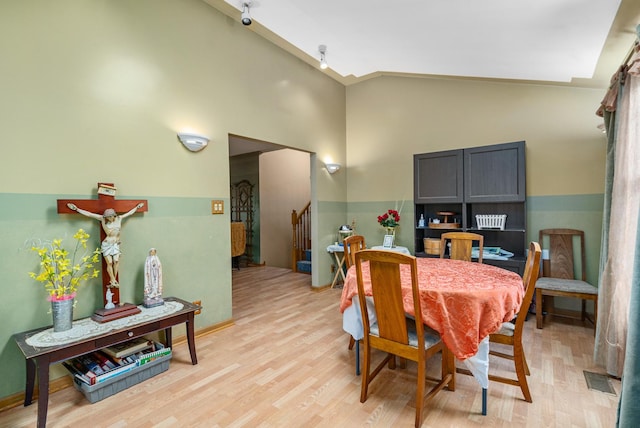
(301, 228)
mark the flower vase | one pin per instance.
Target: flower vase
(391, 231)
(62, 311)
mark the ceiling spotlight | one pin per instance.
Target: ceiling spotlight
(323, 60)
(245, 16)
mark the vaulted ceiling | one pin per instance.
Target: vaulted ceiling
(577, 42)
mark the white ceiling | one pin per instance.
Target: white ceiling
(536, 40)
(573, 42)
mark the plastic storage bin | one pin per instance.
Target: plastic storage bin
(112, 386)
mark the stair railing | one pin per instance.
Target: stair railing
(301, 242)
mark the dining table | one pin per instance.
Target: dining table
(463, 301)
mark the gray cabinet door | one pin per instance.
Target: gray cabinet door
(495, 173)
(438, 177)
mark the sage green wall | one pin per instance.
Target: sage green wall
(96, 91)
(392, 118)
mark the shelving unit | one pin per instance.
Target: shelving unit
(468, 182)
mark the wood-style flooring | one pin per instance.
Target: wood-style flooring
(285, 363)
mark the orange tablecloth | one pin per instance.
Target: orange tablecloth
(463, 301)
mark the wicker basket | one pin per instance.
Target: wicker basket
(491, 221)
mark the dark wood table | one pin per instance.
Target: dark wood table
(42, 357)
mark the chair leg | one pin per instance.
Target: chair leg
(538, 308)
(420, 392)
(352, 342)
(520, 363)
(366, 362)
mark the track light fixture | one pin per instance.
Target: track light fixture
(323, 60)
(245, 17)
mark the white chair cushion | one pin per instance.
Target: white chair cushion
(431, 337)
(506, 329)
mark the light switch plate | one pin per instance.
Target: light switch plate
(217, 207)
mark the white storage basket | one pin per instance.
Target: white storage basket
(491, 221)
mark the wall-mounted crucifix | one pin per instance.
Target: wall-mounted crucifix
(110, 212)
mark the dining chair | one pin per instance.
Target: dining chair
(461, 244)
(351, 245)
(558, 272)
(511, 333)
(394, 332)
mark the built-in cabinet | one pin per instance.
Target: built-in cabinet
(469, 182)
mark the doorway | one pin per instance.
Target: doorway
(281, 182)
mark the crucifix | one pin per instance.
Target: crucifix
(110, 212)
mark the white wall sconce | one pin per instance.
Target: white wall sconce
(332, 167)
(193, 142)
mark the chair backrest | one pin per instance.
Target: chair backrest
(352, 244)
(386, 287)
(529, 278)
(461, 243)
(561, 253)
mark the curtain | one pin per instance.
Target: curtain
(617, 346)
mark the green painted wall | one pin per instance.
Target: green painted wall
(96, 92)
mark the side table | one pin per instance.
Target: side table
(41, 357)
(338, 254)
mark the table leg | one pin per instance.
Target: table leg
(167, 337)
(484, 401)
(43, 392)
(191, 341)
(31, 381)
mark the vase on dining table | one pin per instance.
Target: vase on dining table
(390, 230)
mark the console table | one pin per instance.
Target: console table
(41, 357)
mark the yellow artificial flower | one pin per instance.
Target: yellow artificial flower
(60, 274)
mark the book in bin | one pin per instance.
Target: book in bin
(127, 348)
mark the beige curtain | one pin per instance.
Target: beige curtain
(619, 238)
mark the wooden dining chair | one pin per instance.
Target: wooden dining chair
(558, 274)
(461, 244)
(351, 245)
(511, 333)
(393, 332)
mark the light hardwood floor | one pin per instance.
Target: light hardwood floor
(285, 363)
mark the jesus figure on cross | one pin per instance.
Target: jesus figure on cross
(111, 224)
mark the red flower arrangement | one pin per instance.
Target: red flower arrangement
(389, 219)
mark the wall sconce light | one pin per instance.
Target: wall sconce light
(323, 60)
(193, 142)
(332, 167)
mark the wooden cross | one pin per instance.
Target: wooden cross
(105, 200)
